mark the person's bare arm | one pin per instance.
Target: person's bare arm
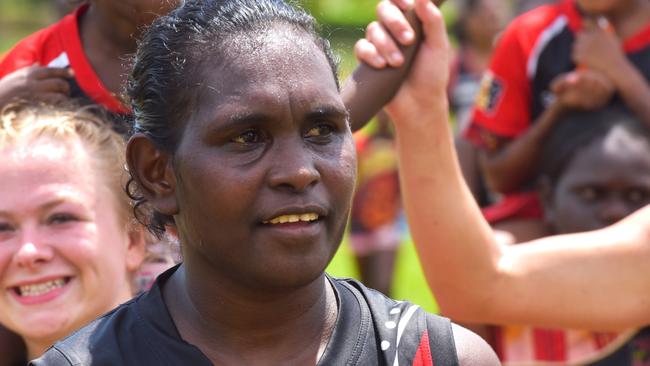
(596, 280)
(511, 163)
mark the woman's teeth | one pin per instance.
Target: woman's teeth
(308, 217)
(40, 288)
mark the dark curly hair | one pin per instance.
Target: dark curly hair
(166, 80)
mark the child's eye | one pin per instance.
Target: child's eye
(248, 137)
(61, 218)
(590, 193)
(4, 227)
(320, 130)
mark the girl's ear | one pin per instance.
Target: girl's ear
(545, 189)
(152, 170)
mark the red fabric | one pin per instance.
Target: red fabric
(523, 205)
(423, 354)
(550, 345)
(508, 114)
(507, 111)
(48, 44)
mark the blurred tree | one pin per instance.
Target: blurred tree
(342, 12)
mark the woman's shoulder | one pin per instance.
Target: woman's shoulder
(407, 329)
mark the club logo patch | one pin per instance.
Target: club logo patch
(489, 93)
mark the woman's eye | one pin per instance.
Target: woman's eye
(61, 218)
(248, 137)
(320, 130)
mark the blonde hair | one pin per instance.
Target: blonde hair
(25, 122)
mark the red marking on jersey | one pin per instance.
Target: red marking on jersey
(550, 345)
(423, 354)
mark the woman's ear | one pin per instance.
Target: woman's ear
(152, 170)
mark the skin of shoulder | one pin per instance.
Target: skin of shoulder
(472, 350)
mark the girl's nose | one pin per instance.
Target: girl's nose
(31, 253)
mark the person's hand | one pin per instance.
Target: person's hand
(598, 49)
(46, 84)
(378, 49)
(583, 90)
(426, 85)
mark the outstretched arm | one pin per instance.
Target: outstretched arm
(596, 280)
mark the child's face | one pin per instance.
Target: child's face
(605, 181)
(268, 143)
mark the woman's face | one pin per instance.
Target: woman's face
(266, 165)
(604, 182)
(63, 246)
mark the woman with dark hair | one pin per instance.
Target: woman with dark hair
(243, 143)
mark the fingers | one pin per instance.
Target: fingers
(41, 73)
(367, 52)
(392, 18)
(377, 35)
(433, 24)
(403, 4)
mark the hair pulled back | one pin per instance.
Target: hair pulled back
(166, 80)
(24, 122)
(579, 129)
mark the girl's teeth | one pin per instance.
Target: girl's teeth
(308, 217)
(41, 288)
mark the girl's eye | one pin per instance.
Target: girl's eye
(61, 218)
(248, 137)
(321, 130)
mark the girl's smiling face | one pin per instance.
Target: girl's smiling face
(63, 241)
(265, 166)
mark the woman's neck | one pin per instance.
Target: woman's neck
(231, 324)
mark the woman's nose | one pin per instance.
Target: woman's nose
(293, 168)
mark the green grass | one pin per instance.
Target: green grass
(408, 282)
